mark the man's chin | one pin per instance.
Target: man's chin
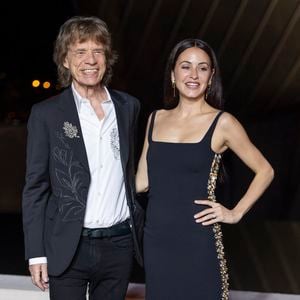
(89, 85)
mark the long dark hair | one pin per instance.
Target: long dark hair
(82, 28)
(215, 95)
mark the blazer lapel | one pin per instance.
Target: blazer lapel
(122, 115)
(76, 143)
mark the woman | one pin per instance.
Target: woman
(183, 248)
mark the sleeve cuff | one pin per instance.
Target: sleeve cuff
(37, 260)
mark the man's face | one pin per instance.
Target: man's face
(86, 62)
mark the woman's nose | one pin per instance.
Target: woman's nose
(194, 73)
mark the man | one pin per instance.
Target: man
(81, 221)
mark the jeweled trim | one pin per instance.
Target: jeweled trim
(211, 187)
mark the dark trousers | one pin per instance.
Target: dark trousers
(101, 265)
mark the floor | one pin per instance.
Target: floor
(14, 287)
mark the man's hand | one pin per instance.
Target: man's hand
(39, 275)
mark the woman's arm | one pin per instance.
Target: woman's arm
(230, 134)
(141, 179)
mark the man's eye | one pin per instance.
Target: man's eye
(79, 53)
(99, 52)
(185, 67)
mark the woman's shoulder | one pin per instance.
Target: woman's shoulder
(162, 111)
(153, 115)
(158, 113)
(226, 116)
(227, 121)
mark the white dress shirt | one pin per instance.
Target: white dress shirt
(106, 201)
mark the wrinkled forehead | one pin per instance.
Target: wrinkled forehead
(80, 37)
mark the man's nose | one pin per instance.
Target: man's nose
(90, 57)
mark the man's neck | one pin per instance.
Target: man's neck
(92, 93)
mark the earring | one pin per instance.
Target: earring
(207, 92)
(174, 88)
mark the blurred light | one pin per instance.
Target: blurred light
(36, 83)
(46, 85)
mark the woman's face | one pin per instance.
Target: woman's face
(192, 73)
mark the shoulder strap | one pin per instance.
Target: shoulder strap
(151, 126)
(213, 125)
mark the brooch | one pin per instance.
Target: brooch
(71, 131)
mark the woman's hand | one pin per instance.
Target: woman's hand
(215, 213)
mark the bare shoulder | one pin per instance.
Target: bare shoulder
(161, 115)
(157, 115)
(227, 121)
(231, 131)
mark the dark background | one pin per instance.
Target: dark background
(257, 44)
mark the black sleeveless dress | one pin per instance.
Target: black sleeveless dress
(183, 260)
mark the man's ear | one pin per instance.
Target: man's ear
(66, 63)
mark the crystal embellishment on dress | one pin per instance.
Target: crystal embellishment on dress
(211, 186)
(71, 131)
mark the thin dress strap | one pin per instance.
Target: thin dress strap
(151, 126)
(213, 125)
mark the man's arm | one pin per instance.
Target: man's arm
(137, 108)
(35, 196)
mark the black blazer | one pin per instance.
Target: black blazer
(58, 177)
